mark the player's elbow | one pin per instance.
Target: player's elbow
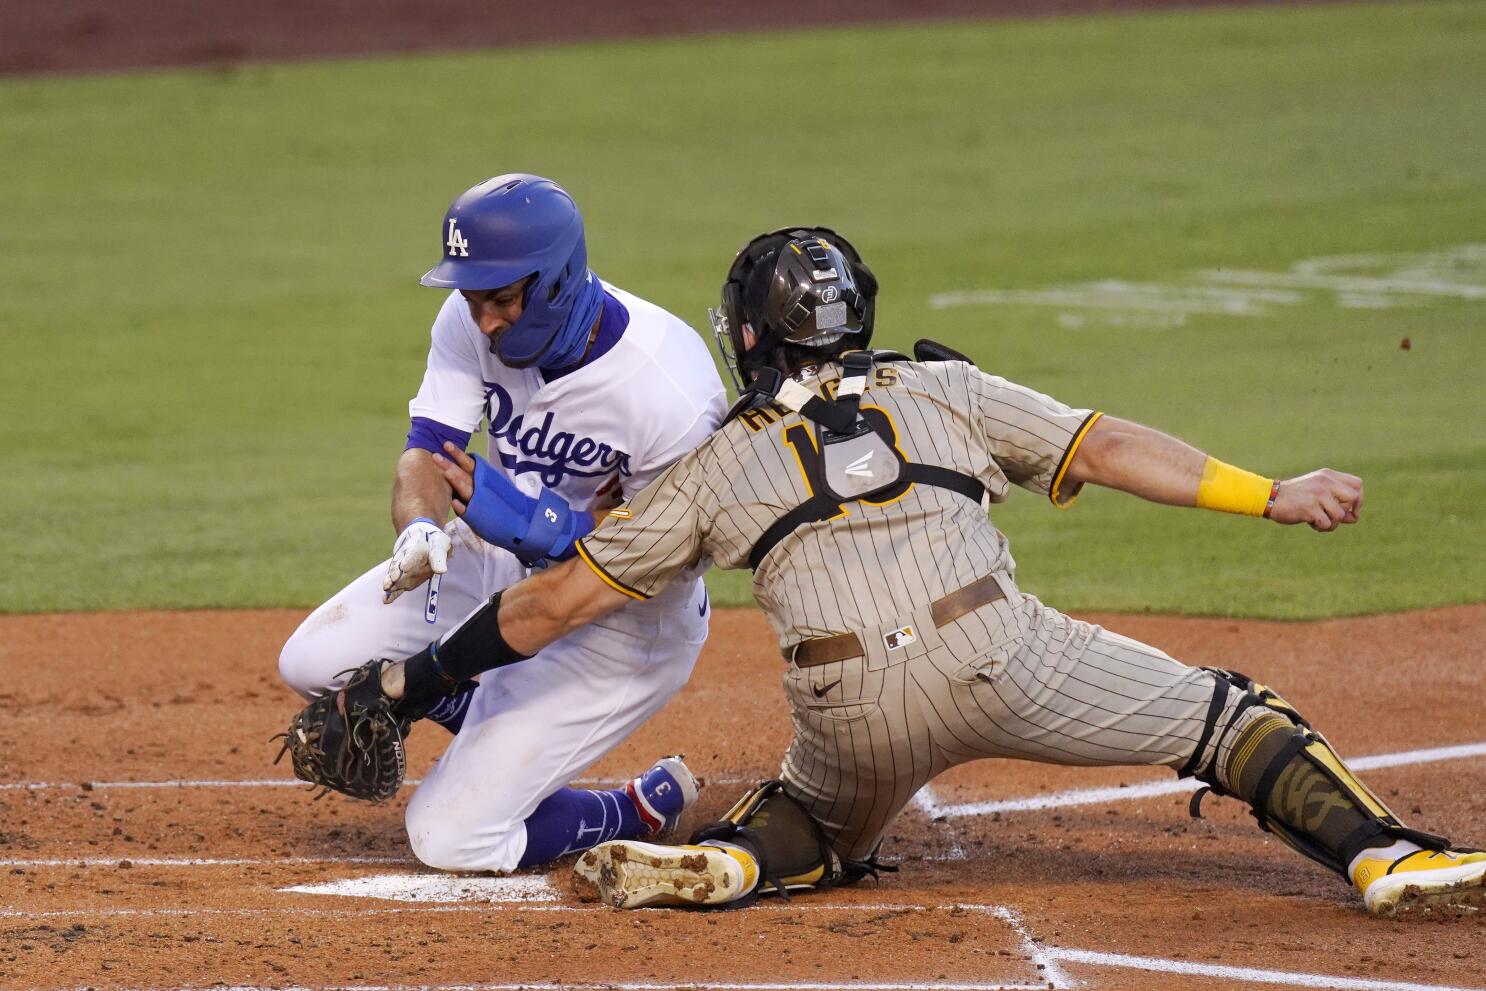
(1100, 452)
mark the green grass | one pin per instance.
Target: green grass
(212, 324)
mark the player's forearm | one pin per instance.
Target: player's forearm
(1145, 462)
(418, 490)
(1120, 454)
(508, 629)
(553, 603)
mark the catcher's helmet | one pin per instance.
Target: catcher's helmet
(804, 286)
(511, 227)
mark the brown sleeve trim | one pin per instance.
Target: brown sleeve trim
(1078, 438)
(607, 579)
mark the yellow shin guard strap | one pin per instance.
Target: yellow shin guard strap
(1232, 490)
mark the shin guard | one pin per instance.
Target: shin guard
(1299, 789)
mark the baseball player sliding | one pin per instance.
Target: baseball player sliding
(853, 483)
(588, 393)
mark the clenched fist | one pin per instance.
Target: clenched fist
(1324, 498)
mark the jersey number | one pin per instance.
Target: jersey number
(801, 438)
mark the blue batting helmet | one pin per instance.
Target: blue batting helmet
(511, 227)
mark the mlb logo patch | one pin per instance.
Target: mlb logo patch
(431, 604)
(901, 637)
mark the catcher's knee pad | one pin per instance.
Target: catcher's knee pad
(1296, 785)
(791, 849)
(1235, 694)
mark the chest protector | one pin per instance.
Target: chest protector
(858, 459)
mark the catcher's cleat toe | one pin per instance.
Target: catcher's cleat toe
(1423, 881)
(631, 874)
(662, 793)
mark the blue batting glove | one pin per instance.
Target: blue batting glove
(532, 529)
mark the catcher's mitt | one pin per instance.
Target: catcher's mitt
(350, 740)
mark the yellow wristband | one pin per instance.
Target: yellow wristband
(1232, 490)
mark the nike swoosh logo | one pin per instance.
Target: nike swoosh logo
(820, 690)
(702, 610)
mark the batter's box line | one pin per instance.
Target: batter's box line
(1250, 975)
(936, 810)
(134, 861)
(1048, 958)
(280, 783)
(1053, 976)
(624, 986)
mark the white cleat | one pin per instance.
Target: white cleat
(632, 874)
(1424, 881)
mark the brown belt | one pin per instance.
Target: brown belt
(824, 650)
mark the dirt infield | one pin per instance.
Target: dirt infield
(145, 839)
(147, 842)
(101, 35)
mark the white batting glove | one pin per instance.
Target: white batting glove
(422, 551)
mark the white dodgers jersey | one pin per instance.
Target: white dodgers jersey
(596, 435)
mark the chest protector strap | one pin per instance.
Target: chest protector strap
(857, 457)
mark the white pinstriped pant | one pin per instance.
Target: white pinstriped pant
(1014, 678)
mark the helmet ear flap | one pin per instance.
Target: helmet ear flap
(727, 327)
(732, 308)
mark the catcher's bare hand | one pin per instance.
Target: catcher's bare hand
(1324, 499)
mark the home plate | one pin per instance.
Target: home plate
(435, 888)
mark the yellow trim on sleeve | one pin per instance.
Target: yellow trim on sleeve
(604, 575)
(1078, 438)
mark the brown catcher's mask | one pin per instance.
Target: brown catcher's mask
(802, 286)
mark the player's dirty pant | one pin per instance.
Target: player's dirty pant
(1014, 678)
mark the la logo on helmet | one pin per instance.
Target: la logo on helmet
(458, 245)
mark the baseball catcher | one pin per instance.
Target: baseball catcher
(854, 484)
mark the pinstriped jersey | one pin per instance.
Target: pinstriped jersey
(878, 559)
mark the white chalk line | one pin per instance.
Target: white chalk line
(416, 909)
(433, 908)
(1289, 978)
(1038, 956)
(925, 800)
(198, 861)
(1055, 976)
(1015, 805)
(1113, 294)
(1365, 281)
(1048, 957)
(275, 783)
(626, 986)
(1099, 796)
(1344, 283)
(515, 907)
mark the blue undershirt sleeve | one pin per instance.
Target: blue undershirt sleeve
(429, 435)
